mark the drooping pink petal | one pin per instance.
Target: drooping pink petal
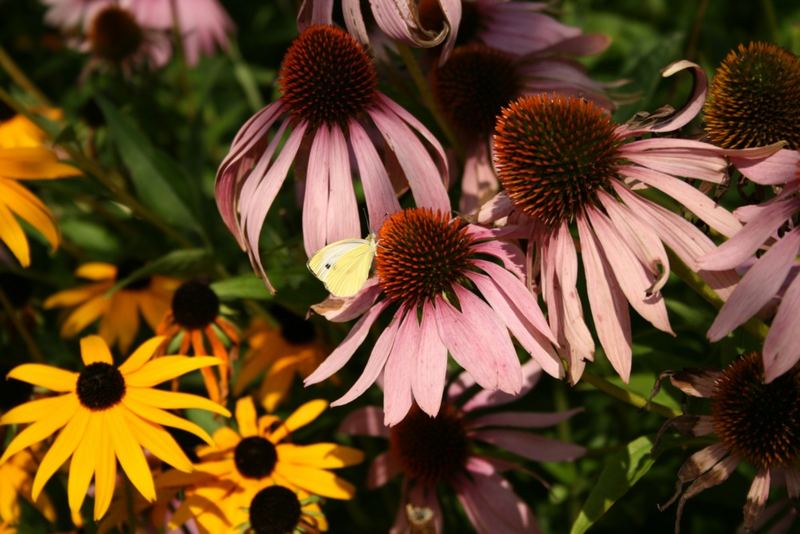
(375, 363)
(781, 349)
(492, 506)
(498, 207)
(343, 309)
(382, 469)
(366, 421)
(354, 20)
(531, 373)
(531, 446)
(629, 273)
(756, 498)
(343, 220)
(753, 235)
(608, 304)
(758, 286)
(523, 419)
(378, 190)
(401, 366)
(428, 380)
(775, 169)
(399, 20)
(479, 342)
(314, 12)
(315, 199)
(478, 181)
(512, 257)
(581, 45)
(257, 174)
(342, 354)
(678, 157)
(709, 211)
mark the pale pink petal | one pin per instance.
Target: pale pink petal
(775, 169)
(479, 342)
(757, 287)
(581, 45)
(632, 278)
(354, 20)
(531, 373)
(378, 190)
(608, 305)
(709, 211)
(256, 176)
(492, 506)
(375, 363)
(678, 157)
(382, 469)
(314, 12)
(343, 220)
(429, 378)
(315, 199)
(531, 446)
(479, 181)
(366, 421)
(401, 366)
(343, 309)
(342, 354)
(756, 498)
(497, 207)
(523, 419)
(781, 349)
(753, 235)
(512, 257)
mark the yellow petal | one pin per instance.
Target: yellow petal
(105, 475)
(277, 382)
(33, 163)
(73, 297)
(130, 454)
(167, 367)
(94, 349)
(49, 377)
(158, 441)
(33, 410)
(225, 438)
(161, 417)
(121, 321)
(141, 355)
(28, 207)
(321, 455)
(82, 465)
(300, 418)
(316, 481)
(62, 448)
(246, 417)
(252, 367)
(12, 235)
(42, 428)
(174, 400)
(153, 307)
(96, 270)
(84, 315)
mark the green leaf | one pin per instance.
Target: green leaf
(621, 472)
(152, 172)
(176, 263)
(241, 287)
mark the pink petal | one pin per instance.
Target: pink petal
(531, 373)
(678, 157)
(342, 354)
(342, 211)
(478, 182)
(429, 377)
(523, 419)
(756, 498)
(753, 235)
(492, 506)
(315, 200)
(683, 116)
(400, 370)
(781, 349)
(382, 469)
(497, 207)
(609, 308)
(314, 12)
(366, 421)
(629, 273)
(758, 286)
(531, 446)
(354, 20)
(778, 168)
(341, 309)
(479, 342)
(508, 253)
(378, 190)
(375, 363)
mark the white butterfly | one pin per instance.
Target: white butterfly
(344, 266)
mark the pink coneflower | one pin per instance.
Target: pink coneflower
(428, 268)
(440, 451)
(333, 108)
(478, 81)
(204, 24)
(773, 225)
(564, 164)
(753, 421)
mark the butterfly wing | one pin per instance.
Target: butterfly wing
(344, 266)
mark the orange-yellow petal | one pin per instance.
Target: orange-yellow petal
(84, 315)
(73, 297)
(120, 324)
(33, 410)
(96, 270)
(105, 474)
(61, 449)
(316, 481)
(82, 465)
(28, 207)
(162, 417)
(12, 235)
(47, 376)
(141, 355)
(300, 418)
(246, 417)
(320, 455)
(37, 163)
(174, 400)
(42, 428)
(158, 441)
(277, 382)
(130, 454)
(166, 368)
(94, 349)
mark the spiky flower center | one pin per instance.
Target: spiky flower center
(195, 305)
(553, 154)
(275, 510)
(255, 457)
(432, 18)
(421, 254)
(473, 86)
(753, 99)
(114, 34)
(127, 268)
(100, 386)
(326, 76)
(758, 421)
(430, 449)
(294, 329)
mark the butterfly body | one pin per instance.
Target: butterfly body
(344, 266)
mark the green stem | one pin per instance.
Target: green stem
(427, 97)
(601, 384)
(755, 326)
(20, 79)
(27, 338)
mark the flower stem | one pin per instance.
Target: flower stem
(20, 79)
(755, 326)
(427, 97)
(22, 330)
(629, 397)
